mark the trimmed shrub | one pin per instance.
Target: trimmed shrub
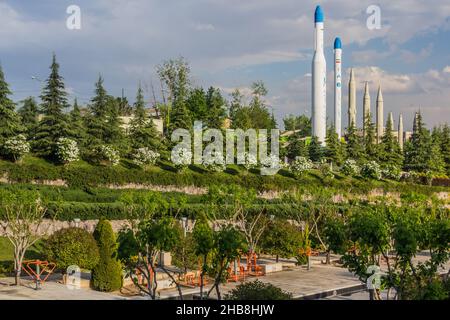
(350, 168)
(107, 275)
(371, 170)
(67, 150)
(257, 290)
(301, 165)
(72, 246)
(16, 147)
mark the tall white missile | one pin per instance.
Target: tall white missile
(338, 86)
(400, 131)
(366, 106)
(352, 100)
(319, 80)
(380, 113)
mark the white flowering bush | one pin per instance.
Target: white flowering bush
(273, 161)
(67, 150)
(213, 165)
(145, 156)
(350, 168)
(16, 147)
(371, 170)
(392, 172)
(108, 154)
(251, 161)
(301, 165)
(181, 158)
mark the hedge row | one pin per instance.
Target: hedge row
(68, 211)
(86, 177)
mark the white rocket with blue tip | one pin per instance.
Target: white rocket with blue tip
(338, 86)
(319, 80)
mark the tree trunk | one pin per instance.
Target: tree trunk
(277, 259)
(328, 260)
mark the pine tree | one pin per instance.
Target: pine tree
(445, 146)
(296, 147)
(77, 127)
(9, 120)
(435, 160)
(315, 150)
(236, 104)
(29, 114)
(107, 275)
(180, 117)
(355, 148)
(196, 103)
(389, 148)
(103, 122)
(54, 123)
(143, 132)
(216, 109)
(417, 151)
(334, 150)
(370, 146)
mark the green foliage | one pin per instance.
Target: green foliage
(107, 274)
(72, 246)
(335, 150)
(215, 104)
(29, 112)
(355, 147)
(296, 147)
(315, 150)
(301, 123)
(280, 239)
(335, 235)
(257, 290)
(9, 120)
(389, 149)
(370, 140)
(54, 123)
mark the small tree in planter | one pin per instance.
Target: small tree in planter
(72, 246)
(145, 156)
(107, 155)
(107, 274)
(16, 147)
(67, 150)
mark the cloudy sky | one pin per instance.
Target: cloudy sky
(230, 44)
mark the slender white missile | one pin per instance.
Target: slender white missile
(338, 86)
(319, 80)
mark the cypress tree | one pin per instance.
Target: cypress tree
(445, 146)
(54, 123)
(334, 150)
(143, 131)
(389, 149)
(9, 120)
(107, 275)
(29, 114)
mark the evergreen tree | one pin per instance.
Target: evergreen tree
(107, 275)
(296, 147)
(216, 109)
(180, 117)
(334, 150)
(103, 122)
(315, 150)
(77, 127)
(445, 146)
(143, 131)
(9, 120)
(301, 123)
(370, 145)
(196, 103)
(54, 122)
(29, 114)
(355, 148)
(417, 152)
(389, 149)
(236, 104)
(435, 160)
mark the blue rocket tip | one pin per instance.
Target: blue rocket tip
(318, 16)
(338, 43)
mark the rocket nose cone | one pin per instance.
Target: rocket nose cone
(338, 43)
(318, 15)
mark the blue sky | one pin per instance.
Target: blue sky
(231, 43)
